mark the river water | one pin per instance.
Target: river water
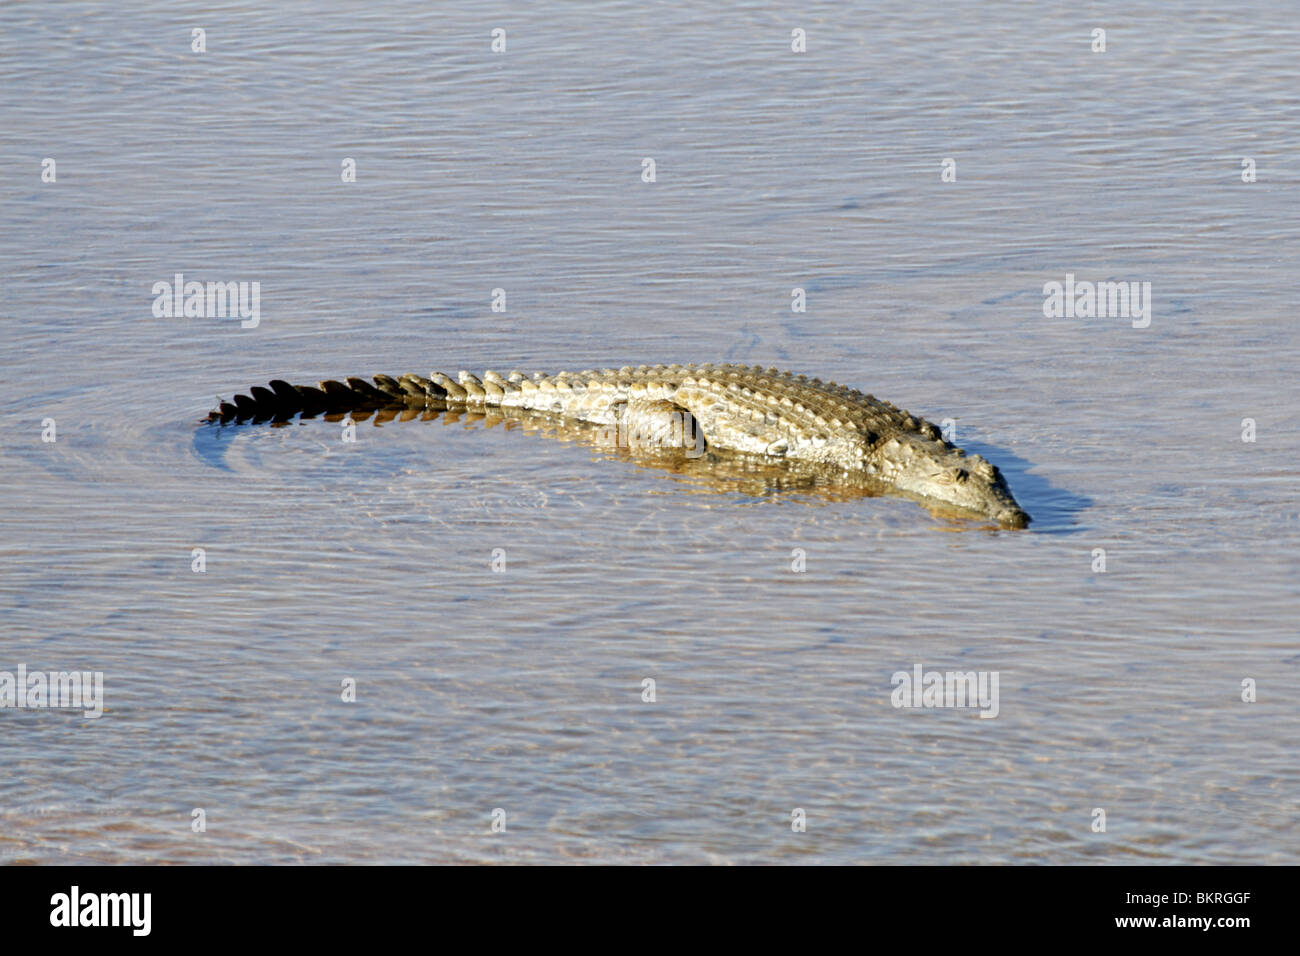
(1159, 575)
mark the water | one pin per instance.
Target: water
(522, 690)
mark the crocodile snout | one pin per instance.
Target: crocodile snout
(1013, 518)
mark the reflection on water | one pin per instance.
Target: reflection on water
(499, 599)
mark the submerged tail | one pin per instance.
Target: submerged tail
(281, 401)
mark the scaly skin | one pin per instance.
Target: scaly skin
(748, 410)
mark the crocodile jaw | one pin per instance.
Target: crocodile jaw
(944, 477)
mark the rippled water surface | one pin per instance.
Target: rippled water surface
(521, 689)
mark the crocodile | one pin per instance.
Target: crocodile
(761, 414)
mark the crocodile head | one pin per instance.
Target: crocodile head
(946, 479)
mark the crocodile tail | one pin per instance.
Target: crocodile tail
(281, 401)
